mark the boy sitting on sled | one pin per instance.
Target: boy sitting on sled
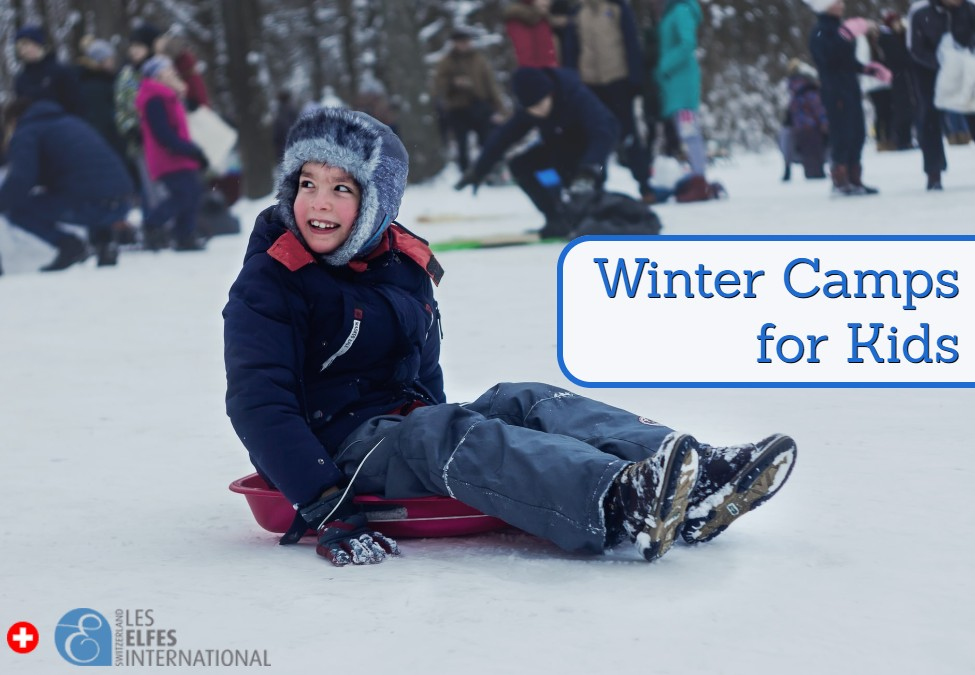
(332, 346)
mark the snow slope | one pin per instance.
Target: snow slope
(116, 455)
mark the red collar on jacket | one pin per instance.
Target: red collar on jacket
(291, 253)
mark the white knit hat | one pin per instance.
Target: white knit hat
(820, 6)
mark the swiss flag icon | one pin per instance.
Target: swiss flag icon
(22, 637)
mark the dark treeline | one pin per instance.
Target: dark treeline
(252, 49)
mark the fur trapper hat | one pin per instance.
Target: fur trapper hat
(365, 148)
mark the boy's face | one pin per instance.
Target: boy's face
(836, 9)
(326, 206)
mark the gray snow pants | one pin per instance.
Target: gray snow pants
(536, 456)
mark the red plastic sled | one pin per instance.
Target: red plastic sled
(419, 517)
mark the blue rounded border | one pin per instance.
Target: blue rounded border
(746, 385)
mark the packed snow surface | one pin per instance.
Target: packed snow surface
(117, 456)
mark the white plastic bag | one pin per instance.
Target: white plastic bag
(214, 136)
(954, 88)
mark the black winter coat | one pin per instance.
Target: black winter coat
(98, 91)
(50, 80)
(313, 351)
(836, 61)
(929, 21)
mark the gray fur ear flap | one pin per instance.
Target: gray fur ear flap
(365, 148)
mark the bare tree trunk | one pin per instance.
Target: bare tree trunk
(349, 85)
(242, 19)
(312, 36)
(407, 81)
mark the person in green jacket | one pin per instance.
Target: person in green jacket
(679, 78)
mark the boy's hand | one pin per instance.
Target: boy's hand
(343, 533)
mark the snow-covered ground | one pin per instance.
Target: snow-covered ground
(116, 456)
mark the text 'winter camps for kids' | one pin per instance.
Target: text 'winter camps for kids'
(773, 311)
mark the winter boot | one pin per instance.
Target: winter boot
(125, 234)
(647, 501)
(733, 481)
(841, 181)
(856, 171)
(787, 176)
(934, 181)
(71, 250)
(189, 242)
(106, 246)
(155, 238)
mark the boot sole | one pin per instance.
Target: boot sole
(680, 474)
(755, 484)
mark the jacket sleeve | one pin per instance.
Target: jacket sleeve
(23, 163)
(602, 128)
(163, 132)
(499, 140)
(675, 57)
(490, 84)
(263, 353)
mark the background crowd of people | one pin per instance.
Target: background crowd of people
(86, 143)
(894, 61)
(590, 78)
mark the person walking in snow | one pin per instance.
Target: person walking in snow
(334, 385)
(467, 90)
(928, 21)
(171, 157)
(578, 133)
(833, 47)
(609, 59)
(42, 75)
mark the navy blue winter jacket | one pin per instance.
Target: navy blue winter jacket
(312, 351)
(580, 130)
(50, 80)
(63, 154)
(836, 61)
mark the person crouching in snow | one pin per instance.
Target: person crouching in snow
(62, 171)
(833, 47)
(171, 157)
(334, 385)
(577, 133)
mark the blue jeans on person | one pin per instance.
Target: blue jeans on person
(536, 456)
(181, 203)
(43, 211)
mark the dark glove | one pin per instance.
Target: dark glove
(585, 181)
(470, 177)
(344, 535)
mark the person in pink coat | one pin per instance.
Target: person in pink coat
(171, 157)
